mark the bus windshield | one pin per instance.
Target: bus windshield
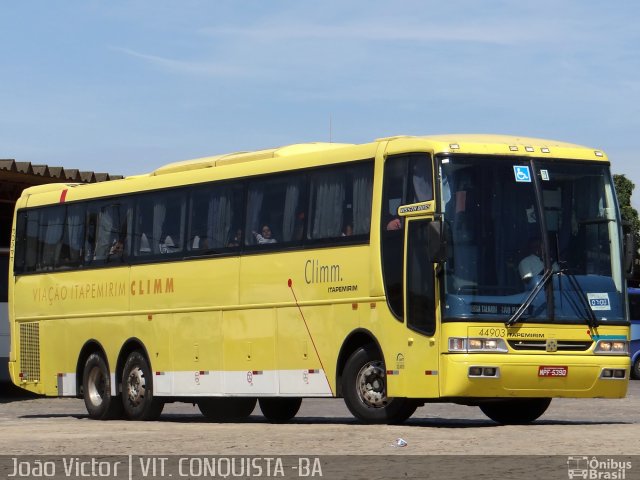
(501, 244)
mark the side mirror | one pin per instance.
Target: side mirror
(437, 242)
(629, 253)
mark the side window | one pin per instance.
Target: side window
(215, 221)
(106, 237)
(276, 211)
(340, 202)
(25, 247)
(173, 225)
(160, 219)
(50, 234)
(73, 237)
(420, 280)
(407, 179)
(33, 246)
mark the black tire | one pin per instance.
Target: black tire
(365, 391)
(635, 369)
(96, 390)
(137, 389)
(227, 409)
(280, 410)
(517, 411)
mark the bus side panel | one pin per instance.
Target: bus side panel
(306, 363)
(249, 352)
(60, 313)
(154, 332)
(330, 288)
(196, 345)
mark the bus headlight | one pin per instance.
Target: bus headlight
(612, 347)
(477, 345)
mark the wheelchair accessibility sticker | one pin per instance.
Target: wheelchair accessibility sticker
(521, 173)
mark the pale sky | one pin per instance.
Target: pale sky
(125, 87)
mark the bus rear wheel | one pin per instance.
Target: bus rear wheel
(137, 389)
(227, 409)
(280, 410)
(96, 390)
(365, 390)
(516, 411)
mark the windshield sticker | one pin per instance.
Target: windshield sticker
(599, 301)
(544, 174)
(494, 308)
(522, 173)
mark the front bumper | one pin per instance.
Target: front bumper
(517, 376)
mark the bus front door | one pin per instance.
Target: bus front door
(421, 359)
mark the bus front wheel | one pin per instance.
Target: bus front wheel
(137, 389)
(516, 411)
(280, 410)
(364, 389)
(96, 390)
(635, 369)
(227, 408)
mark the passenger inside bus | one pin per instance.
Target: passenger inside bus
(236, 240)
(169, 246)
(264, 237)
(116, 250)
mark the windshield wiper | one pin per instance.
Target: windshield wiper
(595, 221)
(591, 319)
(529, 300)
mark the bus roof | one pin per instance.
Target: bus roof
(309, 154)
(496, 145)
(237, 157)
(458, 143)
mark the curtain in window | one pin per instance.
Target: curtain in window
(54, 229)
(159, 213)
(104, 236)
(328, 201)
(219, 219)
(254, 208)
(362, 193)
(290, 211)
(75, 232)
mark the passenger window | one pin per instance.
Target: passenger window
(50, 236)
(276, 211)
(216, 218)
(32, 243)
(73, 239)
(160, 223)
(106, 238)
(340, 202)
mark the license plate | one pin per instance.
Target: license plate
(546, 371)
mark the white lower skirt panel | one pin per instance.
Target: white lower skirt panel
(252, 383)
(67, 384)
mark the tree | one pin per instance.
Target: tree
(631, 222)
(624, 190)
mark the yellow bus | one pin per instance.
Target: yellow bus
(482, 270)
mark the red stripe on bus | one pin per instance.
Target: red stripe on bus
(63, 195)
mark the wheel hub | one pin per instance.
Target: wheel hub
(136, 386)
(371, 385)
